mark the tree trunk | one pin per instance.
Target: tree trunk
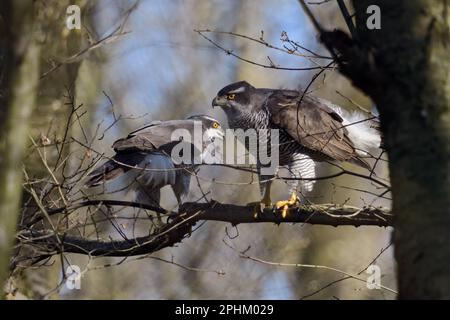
(19, 79)
(405, 68)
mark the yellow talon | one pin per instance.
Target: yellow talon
(284, 204)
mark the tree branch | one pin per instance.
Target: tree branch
(323, 214)
(181, 225)
(347, 17)
(355, 60)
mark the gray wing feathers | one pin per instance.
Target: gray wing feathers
(147, 195)
(181, 187)
(314, 125)
(117, 166)
(156, 171)
(154, 136)
(132, 150)
(143, 161)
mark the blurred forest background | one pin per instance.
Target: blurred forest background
(161, 69)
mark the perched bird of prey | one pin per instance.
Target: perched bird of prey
(145, 162)
(310, 129)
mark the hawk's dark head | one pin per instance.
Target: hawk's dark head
(235, 98)
(241, 99)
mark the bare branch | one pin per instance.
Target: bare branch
(266, 66)
(347, 18)
(117, 33)
(180, 227)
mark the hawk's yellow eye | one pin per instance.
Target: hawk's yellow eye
(231, 96)
(215, 125)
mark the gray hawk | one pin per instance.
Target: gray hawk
(145, 162)
(310, 129)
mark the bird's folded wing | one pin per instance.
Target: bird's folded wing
(311, 123)
(156, 136)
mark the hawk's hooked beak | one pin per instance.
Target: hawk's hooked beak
(219, 102)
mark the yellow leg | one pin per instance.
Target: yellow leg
(266, 200)
(284, 204)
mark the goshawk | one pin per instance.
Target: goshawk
(145, 162)
(310, 129)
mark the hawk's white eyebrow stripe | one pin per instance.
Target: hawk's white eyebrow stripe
(241, 89)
